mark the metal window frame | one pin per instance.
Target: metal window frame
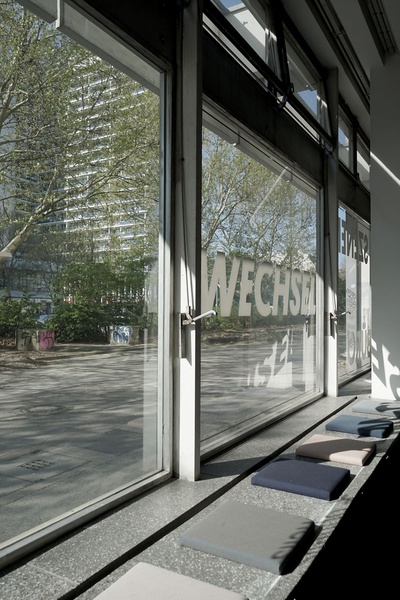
(49, 531)
(282, 87)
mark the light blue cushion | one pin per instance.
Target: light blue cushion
(363, 426)
(254, 536)
(383, 408)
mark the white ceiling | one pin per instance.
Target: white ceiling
(355, 26)
(392, 9)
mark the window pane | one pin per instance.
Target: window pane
(354, 296)
(253, 21)
(363, 162)
(308, 86)
(259, 353)
(79, 319)
(345, 141)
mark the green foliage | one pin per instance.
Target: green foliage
(99, 295)
(80, 143)
(249, 210)
(16, 314)
(119, 281)
(59, 101)
(79, 323)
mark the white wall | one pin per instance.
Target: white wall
(385, 229)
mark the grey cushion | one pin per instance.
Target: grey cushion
(258, 537)
(148, 582)
(363, 426)
(383, 408)
(303, 477)
(344, 450)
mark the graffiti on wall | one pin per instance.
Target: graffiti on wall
(121, 334)
(46, 340)
(35, 339)
(124, 334)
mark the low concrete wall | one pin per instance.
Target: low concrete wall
(35, 339)
(124, 334)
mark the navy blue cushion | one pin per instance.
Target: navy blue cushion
(364, 426)
(302, 477)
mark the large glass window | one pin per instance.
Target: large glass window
(345, 141)
(254, 22)
(363, 162)
(260, 353)
(308, 88)
(354, 296)
(250, 30)
(80, 263)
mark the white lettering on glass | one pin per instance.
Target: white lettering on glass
(352, 241)
(272, 287)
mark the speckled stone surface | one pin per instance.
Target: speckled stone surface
(149, 528)
(259, 585)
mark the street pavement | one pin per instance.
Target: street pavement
(79, 421)
(70, 431)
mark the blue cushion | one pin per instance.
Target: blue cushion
(364, 426)
(383, 408)
(302, 477)
(258, 537)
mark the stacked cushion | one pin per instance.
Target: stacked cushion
(348, 451)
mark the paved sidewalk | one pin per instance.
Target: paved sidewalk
(71, 429)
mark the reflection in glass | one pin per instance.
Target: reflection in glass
(363, 162)
(308, 87)
(259, 238)
(345, 141)
(354, 296)
(79, 215)
(253, 21)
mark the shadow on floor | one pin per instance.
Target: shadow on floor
(360, 559)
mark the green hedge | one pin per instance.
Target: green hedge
(80, 323)
(16, 314)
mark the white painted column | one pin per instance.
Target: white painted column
(331, 248)
(187, 251)
(385, 229)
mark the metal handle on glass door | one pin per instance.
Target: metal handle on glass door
(336, 315)
(187, 319)
(209, 313)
